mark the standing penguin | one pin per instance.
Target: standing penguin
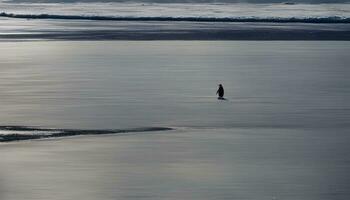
(220, 92)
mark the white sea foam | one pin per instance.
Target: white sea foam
(28, 132)
(182, 10)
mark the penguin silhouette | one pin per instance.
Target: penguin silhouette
(220, 92)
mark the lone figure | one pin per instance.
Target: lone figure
(220, 92)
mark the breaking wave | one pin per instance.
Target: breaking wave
(334, 19)
(16, 133)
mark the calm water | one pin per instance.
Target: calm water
(282, 134)
(121, 84)
(192, 164)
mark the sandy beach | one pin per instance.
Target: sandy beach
(179, 164)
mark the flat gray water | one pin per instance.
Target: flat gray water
(122, 84)
(189, 164)
(282, 134)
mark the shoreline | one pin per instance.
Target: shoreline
(83, 30)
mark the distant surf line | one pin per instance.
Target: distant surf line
(327, 20)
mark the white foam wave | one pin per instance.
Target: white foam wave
(185, 10)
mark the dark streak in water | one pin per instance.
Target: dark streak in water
(330, 20)
(52, 133)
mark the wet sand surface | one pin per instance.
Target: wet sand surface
(180, 164)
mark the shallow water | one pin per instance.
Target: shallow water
(123, 84)
(282, 133)
(188, 164)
